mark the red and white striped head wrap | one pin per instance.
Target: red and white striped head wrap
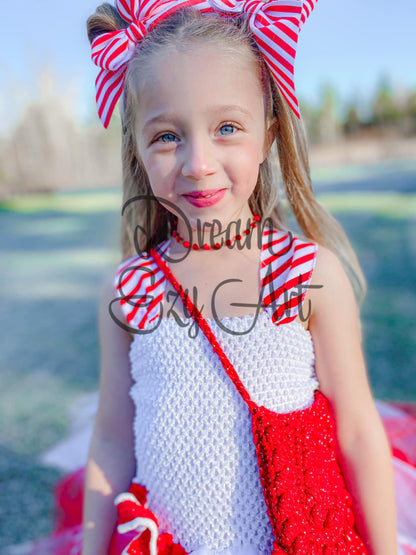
(275, 26)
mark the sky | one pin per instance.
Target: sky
(349, 44)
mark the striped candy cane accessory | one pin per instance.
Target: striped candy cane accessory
(275, 26)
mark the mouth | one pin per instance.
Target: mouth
(205, 198)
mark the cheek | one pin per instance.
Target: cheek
(246, 167)
(159, 169)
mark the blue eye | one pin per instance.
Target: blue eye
(228, 127)
(166, 138)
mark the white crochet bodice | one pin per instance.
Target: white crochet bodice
(193, 441)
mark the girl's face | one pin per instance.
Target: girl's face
(201, 133)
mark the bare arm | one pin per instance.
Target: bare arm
(111, 463)
(365, 454)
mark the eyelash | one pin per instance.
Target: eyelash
(229, 124)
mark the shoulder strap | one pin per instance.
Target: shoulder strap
(200, 320)
(287, 266)
(139, 285)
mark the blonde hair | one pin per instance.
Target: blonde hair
(141, 211)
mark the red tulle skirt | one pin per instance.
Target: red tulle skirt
(137, 527)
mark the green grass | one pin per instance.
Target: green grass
(354, 173)
(387, 205)
(65, 202)
(26, 508)
(53, 262)
(386, 248)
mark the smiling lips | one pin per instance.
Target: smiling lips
(205, 198)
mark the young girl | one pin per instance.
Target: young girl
(207, 97)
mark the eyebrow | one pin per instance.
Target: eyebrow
(173, 119)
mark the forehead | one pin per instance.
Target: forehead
(200, 81)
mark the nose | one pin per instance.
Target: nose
(198, 159)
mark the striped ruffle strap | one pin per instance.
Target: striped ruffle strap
(287, 266)
(275, 26)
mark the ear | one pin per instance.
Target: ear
(270, 135)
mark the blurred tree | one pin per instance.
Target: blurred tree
(328, 125)
(353, 121)
(411, 104)
(48, 149)
(37, 153)
(385, 107)
(309, 117)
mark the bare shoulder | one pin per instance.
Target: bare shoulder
(109, 307)
(328, 266)
(330, 286)
(115, 411)
(114, 338)
(107, 290)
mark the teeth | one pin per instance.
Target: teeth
(203, 196)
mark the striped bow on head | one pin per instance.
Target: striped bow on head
(275, 26)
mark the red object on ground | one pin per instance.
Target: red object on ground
(410, 408)
(69, 498)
